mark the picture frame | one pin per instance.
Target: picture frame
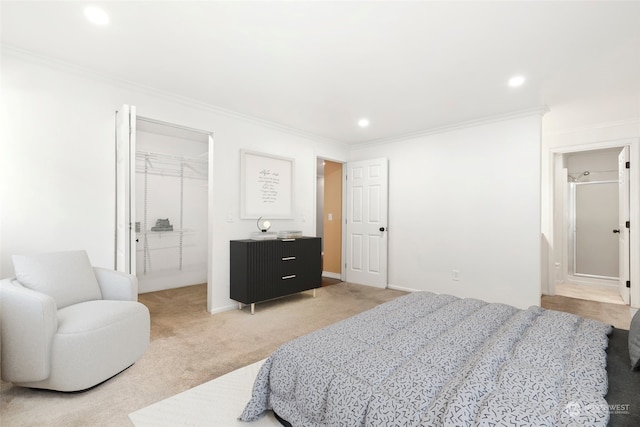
(266, 186)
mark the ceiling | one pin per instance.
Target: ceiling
(320, 66)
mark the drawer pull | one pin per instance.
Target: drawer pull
(288, 258)
(291, 276)
(288, 240)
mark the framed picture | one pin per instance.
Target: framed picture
(266, 186)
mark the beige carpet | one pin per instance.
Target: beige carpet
(188, 347)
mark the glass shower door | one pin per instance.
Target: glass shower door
(594, 217)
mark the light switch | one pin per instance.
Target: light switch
(330, 217)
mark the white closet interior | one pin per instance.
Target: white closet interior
(171, 206)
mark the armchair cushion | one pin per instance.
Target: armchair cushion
(67, 277)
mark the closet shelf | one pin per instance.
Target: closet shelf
(171, 165)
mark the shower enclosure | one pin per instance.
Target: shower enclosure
(593, 220)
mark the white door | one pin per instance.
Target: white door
(125, 189)
(367, 211)
(623, 218)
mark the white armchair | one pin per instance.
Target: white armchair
(67, 326)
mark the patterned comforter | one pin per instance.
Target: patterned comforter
(437, 360)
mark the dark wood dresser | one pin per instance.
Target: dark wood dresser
(267, 269)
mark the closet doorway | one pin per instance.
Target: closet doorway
(329, 218)
(171, 205)
(163, 205)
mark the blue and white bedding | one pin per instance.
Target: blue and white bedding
(437, 360)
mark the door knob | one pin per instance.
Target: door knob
(616, 231)
(382, 228)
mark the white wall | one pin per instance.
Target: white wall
(467, 199)
(57, 164)
(589, 123)
(57, 180)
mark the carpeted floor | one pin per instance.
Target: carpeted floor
(188, 347)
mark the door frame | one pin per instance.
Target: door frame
(624, 235)
(129, 207)
(556, 226)
(125, 185)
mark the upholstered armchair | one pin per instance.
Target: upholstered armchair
(68, 326)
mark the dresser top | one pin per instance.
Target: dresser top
(275, 240)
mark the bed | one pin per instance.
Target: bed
(429, 359)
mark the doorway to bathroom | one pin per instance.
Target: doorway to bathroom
(594, 205)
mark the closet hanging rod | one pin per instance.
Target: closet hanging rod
(172, 174)
(173, 157)
(153, 163)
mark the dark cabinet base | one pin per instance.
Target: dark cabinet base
(261, 270)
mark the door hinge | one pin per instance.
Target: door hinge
(628, 283)
(627, 165)
(627, 224)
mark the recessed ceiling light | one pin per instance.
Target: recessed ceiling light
(363, 123)
(516, 81)
(96, 15)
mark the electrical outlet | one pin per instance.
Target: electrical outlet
(455, 275)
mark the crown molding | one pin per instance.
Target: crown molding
(590, 128)
(94, 74)
(535, 111)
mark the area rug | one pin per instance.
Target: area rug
(218, 402)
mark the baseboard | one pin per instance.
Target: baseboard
(223, 309)
(331, 275)
(401, 288)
